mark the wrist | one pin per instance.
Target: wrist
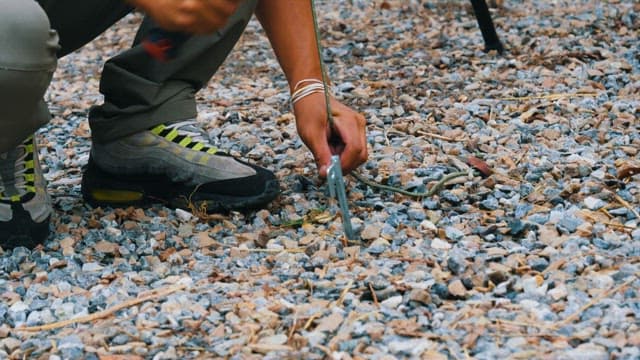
(308, 87)
(298, 76)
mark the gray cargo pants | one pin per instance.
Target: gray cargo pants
(139, 91)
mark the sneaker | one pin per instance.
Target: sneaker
(25, 206)
(174, 164)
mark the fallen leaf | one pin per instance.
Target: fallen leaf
(479, 165)
(628, 170)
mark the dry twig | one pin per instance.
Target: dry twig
(374, 296)
(594, 301)
(436, 136)
(547, 97)
(153, 295)
(626, 204)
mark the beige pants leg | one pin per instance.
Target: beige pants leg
(27, 63)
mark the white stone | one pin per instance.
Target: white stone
(593, 203)
(278, 339)
(440, 244)
(558, 293)
(413, 347)
(428, 225)
(91, 267)
(392, 302)
(587, 352)
(184, 215)
(530, 287)
(601, 281)
(113, 231)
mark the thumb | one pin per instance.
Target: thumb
(322, 154)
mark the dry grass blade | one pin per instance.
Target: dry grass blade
(569, 319)
(337, 303)
(548, 97)
(273, 251)
(154, 295)
(374, 296)
(344, 293)
(265, 348)
(436, 136)
(626, 204)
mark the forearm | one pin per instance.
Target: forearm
(289, 26)
(190, 16)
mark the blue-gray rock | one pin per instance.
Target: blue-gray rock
(456, 264)
(593, 203)
(538, 218)
(120, 339)
(17, 313)
(538, 263)
(490, 203)
(568, 224)
(621, 211)
(453, 233)
(416, 214)
(522, 210)
(602, 243)
(430, 204)
(71, 347)
(440, 290)
(516, 226)
(450, 197)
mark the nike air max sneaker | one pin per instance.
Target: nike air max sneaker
(25, 206)
(176, 165)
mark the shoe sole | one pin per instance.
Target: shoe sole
(100, 188)
(23, 231)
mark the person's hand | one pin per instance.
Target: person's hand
(189, 16)
(347, 138)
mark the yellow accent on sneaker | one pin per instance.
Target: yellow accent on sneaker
(212, 151)
(172, 135)
(158, 129)
(198, 147)
(186, 141)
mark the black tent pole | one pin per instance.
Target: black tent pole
(491, 40)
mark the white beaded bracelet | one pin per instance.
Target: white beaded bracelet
(306, 91)
(315, 81)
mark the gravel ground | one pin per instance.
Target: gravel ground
(540, 259)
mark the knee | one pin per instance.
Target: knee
(26, 38)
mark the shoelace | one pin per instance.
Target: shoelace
(191, 129)
(20, 171)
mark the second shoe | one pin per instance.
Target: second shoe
(174, 164)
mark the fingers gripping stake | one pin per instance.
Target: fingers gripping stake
(334, 173)
(337, 190)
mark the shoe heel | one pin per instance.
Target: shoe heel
(113, 196)
(102, 189)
